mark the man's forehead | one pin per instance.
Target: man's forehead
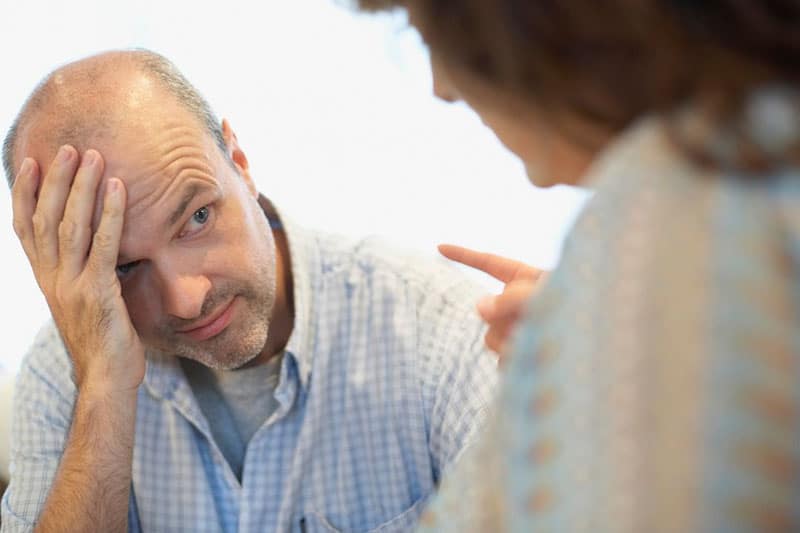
(156, 202)
(147, 154)
(42, 137)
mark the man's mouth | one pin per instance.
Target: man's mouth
(212, 325)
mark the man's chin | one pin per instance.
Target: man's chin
(219, 361)
(217, 353)
(235, 346)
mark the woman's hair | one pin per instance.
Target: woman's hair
(610, 62)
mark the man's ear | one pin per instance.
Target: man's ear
(236, 154)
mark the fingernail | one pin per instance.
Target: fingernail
(25, 169)
(113, 186)
(64, 154)
(89, 158)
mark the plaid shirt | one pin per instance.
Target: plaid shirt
(384, 382)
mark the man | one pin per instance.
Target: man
(212, 366)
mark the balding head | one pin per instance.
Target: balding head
(89, 100)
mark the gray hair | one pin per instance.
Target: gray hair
(158, 66)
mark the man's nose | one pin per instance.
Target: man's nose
(183, 294)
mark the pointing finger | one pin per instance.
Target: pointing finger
(500, 268)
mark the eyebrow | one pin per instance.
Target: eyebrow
(188, 196)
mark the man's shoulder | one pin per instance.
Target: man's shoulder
(438, 297)
(370, 259)
(47, 357)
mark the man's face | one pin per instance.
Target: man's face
(197, 256)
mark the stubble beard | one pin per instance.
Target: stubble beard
(243, 339)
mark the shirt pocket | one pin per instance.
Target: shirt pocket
(313, 522)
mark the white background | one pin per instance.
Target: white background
(333, 109)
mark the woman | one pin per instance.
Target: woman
(653, 383)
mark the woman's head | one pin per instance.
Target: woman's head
(556, 80)
(548, 156)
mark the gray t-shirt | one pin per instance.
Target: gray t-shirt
(236, 403)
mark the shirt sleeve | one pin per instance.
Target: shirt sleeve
(44, 396)
(459, 372)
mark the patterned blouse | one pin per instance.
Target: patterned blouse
(655, 382)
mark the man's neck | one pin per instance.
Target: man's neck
(282, 319)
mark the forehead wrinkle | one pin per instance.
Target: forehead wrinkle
(180, 149)
(161, 197)
(175, 156)
(185, 159)
(174, 135)
(167, 158)
(133, 244)
(154, 185)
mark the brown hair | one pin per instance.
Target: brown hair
(610, 62)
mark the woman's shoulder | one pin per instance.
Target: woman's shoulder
(653, 207)
(663, 240)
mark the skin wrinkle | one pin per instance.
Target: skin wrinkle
(163, 201)
(190, 167)
(205, 195)
(175, 165)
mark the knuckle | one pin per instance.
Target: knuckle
(102, 240)
(41, 225)
(20, 228)
(66, 232)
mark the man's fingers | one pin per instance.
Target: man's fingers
(74, 232)
(499, 267)
(50, 206)
(23, 204)
(105, 244)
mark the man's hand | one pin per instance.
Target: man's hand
(77, 270)
(502, 311)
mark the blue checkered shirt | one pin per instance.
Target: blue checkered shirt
(384, 383)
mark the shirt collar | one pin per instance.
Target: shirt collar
(304, 256)
(163, 375)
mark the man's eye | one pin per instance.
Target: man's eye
(124, 270)
(199, 219)
(201, 215)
